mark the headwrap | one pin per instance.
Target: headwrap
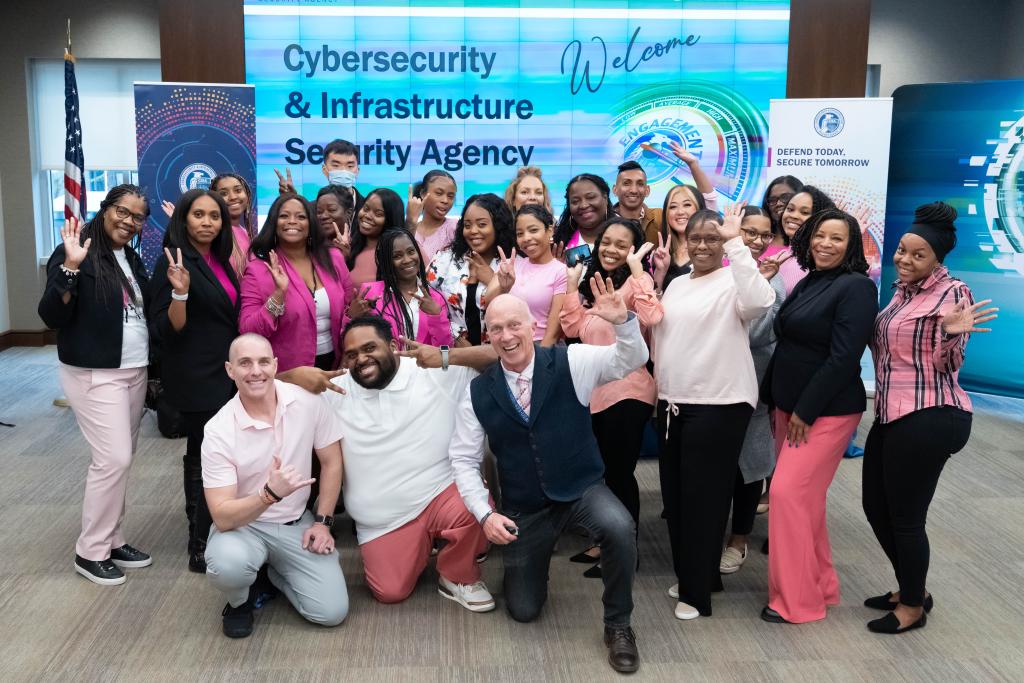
(934, 224)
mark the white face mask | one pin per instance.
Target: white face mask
(342, 177)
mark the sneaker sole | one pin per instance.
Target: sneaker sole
(674, 594)
(98, 580)
(687, 617)
(729, 570)
(132, 564)
(487, 607)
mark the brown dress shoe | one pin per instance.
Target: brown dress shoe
(622, 652)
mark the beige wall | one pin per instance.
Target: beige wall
(101, 29)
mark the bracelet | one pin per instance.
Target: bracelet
(484, 518)
(68, 271)
(264, 498)
(179, 297)
(270, 492)
(275, 309)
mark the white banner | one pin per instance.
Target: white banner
(841, 146)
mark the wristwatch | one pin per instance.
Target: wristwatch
(326, 520)
(444, 356)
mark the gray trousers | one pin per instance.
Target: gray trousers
(313, 583)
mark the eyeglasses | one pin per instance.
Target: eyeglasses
(712, 242)
(780, 199)
(755, 236)
(139, 219)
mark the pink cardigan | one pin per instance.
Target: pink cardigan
(293, 335)
(435, 330)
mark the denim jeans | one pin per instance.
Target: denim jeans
(527, 558)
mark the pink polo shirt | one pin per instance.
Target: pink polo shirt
(239, 450)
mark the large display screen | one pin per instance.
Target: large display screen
(481, 88)
(963, 143)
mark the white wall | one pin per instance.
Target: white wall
(101, 29)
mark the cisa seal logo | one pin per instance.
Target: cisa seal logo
(829, 122)
(196, 176)
(720, 127)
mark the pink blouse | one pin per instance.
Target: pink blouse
(441, 239)
(364, 269)
(222, 277)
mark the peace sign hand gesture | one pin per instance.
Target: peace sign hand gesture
(413, 209)
(479, 270)
(506, 270)
(428, 304)
(177, 275)
(730, 227)
(341, 238)
(74, 250)
(426, 356)
(285, 184)
(360, 304)
(963, 319)
(280, 276)
(635, 258)
(608, 303)
(660, 259)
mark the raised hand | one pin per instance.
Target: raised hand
(278, 273)
(341, 238)
(285, 480)
(730, 226)
(426, 356)
(964, 319)
(506, 270)
(360, 304)
(428, 304)
(479, 269)
(769, 267)
(572, 278)
(661, 259)
(682, 154)
(168, 207)
(285, 184)
(635, 258)
(75, 250)
(413, 209)
(177, 275)
(608, 303)
(558, 250)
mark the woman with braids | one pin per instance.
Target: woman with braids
(194, 318)
(619, 410)
(588, 204)
(426, 216)
(813, 383)
(922, 415)
(96, 296)
(382, 209)
(776, 198)
(296, 290)
(402, 296)
(237, 195)
(804, 204)
(465, 273)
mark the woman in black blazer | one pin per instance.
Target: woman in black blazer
(194, 318)
(813, 382)
(95, 297)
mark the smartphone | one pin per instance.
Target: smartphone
(578, 254)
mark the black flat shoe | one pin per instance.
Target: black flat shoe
(127, 557)
(884, 602)
(238, 620)
(102, 572)
(773, 617)
(890, 624)
(583, 558)
(197, 562)
(593, 573)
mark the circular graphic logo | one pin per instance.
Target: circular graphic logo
(717, 125)
(196, 176)
(1004, 197)
(829, 122)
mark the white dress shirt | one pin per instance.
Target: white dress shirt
(589, 366)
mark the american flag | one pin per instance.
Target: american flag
(74, 160)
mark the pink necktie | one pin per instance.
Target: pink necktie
(523, 393)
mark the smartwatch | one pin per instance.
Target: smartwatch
(444, 356)
(326, 520)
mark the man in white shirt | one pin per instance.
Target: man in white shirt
(256, 475)
(532, 406)
(397, 420)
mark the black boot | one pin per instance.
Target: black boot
(198, 518)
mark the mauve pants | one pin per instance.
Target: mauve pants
(108, 405)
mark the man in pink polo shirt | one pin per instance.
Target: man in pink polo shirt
(256, 473)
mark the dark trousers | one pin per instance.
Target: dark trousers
(619, 430)
(324, 361)
(745, 498)
(700, 451)
(528, 558)
(902, 463)
(196, 510)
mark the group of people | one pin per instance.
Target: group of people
(460, 383)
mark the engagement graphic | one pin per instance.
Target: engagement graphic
(483, 88)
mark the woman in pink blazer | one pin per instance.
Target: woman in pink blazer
(296, 290)
(402, 296)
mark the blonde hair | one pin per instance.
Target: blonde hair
(513, 187)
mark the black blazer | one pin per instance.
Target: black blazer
(89, 327)
(192, 360)
(823, 328)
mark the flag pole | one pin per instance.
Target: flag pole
(67, 49)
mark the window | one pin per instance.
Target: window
(107, 100)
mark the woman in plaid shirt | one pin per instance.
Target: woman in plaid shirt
(922, 415)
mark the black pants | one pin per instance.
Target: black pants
(196, 510)
(619, 430)
(745, 498)
(902, 463)
(699, 456)
(324, 361)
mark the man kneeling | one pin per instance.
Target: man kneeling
(256, 473)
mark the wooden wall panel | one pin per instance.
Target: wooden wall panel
(202, 41)
(828, 48)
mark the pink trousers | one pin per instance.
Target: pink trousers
(801, 578)
(108, 405)
(394, 561)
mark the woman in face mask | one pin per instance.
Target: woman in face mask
(426, 213)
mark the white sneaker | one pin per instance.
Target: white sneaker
(686, 612)
(673, 591)
(474, 596)
(732, 560)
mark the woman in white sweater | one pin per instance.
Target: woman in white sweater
(707, 391)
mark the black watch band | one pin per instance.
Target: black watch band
(326, 520)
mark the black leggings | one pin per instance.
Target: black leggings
(902, 463)
(619, 430)
(325, 361)
(745, 498)
(195, 499)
